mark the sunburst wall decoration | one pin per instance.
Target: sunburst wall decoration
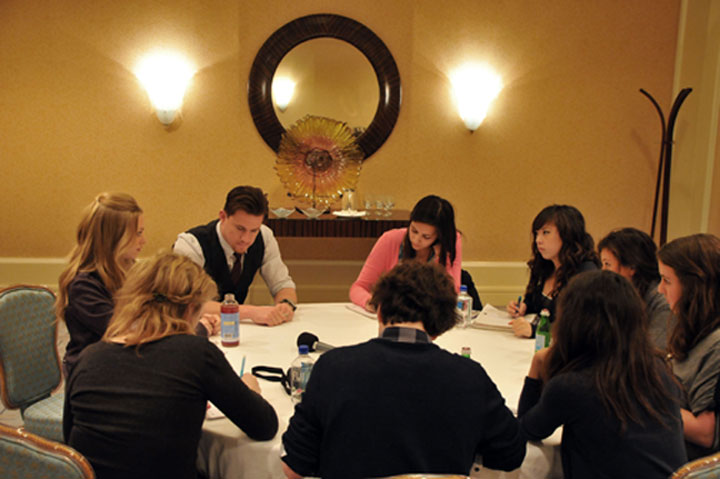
(318, 158)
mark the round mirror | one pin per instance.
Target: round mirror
(329, 78)
(311, 27)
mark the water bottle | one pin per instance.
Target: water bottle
(542, 332)
(464, 306)
(230, 321)
(300, 370)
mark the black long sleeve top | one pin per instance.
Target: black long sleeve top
(138, 412)
(592, 444)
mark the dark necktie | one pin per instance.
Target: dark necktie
(236, 269)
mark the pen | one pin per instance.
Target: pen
(242, 367)
(519, 301)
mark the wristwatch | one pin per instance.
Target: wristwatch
(290, 303)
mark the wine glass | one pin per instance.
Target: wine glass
(388, 205)
(368, 203)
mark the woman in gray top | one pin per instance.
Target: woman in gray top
(632, 254)
(690, 271)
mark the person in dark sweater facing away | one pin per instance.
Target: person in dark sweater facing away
(605, 383)
(561, 249)
(234, 247)
(135, 402)
(398, 403)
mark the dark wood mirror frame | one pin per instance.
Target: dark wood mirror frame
(316, 26)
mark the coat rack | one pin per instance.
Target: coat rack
(665, 161)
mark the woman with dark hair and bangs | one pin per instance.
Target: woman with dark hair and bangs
(632, 254)
(430, 236)
(606, 384)
(690, 272)
(561, 249)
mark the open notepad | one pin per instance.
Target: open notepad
(361, 311)
(492, 318)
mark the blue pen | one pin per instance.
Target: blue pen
(242, 367)
(519, 302)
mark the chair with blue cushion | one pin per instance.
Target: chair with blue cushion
(707, 467)
(24, 455)
(29, 361)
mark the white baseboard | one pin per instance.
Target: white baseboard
(497, 282)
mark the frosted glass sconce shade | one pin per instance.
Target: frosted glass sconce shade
(474, 88)
(165, 76)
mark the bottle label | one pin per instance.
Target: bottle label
(229, 328)
(300, 375)
(464, 308)
(542, 340)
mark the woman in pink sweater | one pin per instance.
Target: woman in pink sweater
(431, 236)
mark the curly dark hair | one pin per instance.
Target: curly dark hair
(696, 262)
(634, 249)
(437, 212)
(417, 292)
(601, 327)
(577, 248)
(249, 199)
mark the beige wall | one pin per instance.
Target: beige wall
(569, 127)
(695, 176)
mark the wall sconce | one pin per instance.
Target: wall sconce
(283, 89)
(474, 88)
(165, 76)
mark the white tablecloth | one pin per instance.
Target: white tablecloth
(226, 452)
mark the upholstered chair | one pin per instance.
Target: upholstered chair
(24, 455)
(707, 467)
(29, 362)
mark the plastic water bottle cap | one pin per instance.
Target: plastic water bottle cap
(303, 349)
(463, 288)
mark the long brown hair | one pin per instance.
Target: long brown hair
(601, 328)
(108, 226)
(577, 248)
(696, 262)
(437, 212)
(161, 297)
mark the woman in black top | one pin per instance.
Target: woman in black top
(604, 382)
(135, 401)
(110, 236)
(561, 248)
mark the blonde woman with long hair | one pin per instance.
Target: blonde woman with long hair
(109, 238)
(136, 401)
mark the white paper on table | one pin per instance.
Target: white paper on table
(492, 318)
(362, 311)
(213, 412)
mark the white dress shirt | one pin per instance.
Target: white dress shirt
(272, 270)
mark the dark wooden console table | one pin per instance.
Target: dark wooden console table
(331, 226)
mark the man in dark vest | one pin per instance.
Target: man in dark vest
(234, 247)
